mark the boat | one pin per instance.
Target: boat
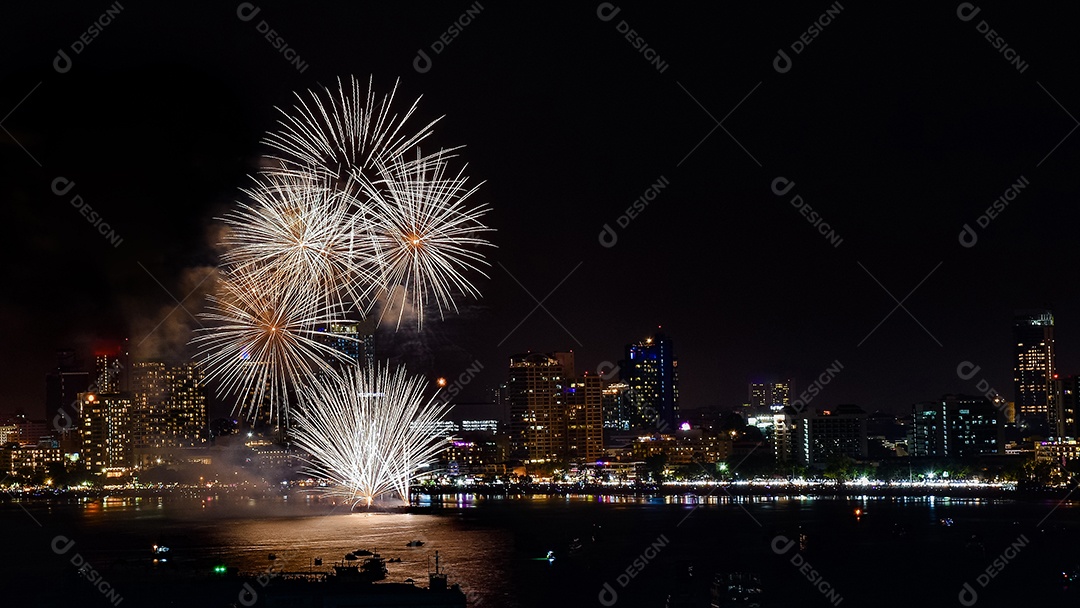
(371, 569)
(736, 589)
(354, 585)
(415, 543)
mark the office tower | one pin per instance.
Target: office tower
(818, 436)
(1066, 397)
(617, 407)
(186, 406)
(537, 410)
(1034, 365)
(584, 419)
(62, 388)
(956, 426)
(105, 431)
(355, 340)
(168, 404)
(771, 394)
(149, 393)
(111, 370)
(651, 370)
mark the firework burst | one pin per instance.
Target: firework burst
(259, 338)
(425, 235)
(344, 130)
(368, 430)
(299, 232)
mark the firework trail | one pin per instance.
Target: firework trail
(260, 337)
(351, 214)
(425, 235)
(344, 130)
(369, 430)
(299, 232)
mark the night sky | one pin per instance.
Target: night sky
(898, 125)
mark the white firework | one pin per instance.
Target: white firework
(299, 232)
(261, 338)
(342, 130)
(426, 235)
(368, 430)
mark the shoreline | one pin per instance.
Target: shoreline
(435, 498)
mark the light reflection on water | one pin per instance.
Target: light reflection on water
(493, 547)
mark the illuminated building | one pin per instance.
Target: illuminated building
(679, 451)
(817, 437)
(771, 394)
(1035, 365)
(956, 426)
(1059, 452)
(651, 370)
(169, 404)
(1066, 395)
(617, 406)
(475, 453)
(584, 419)
(105, 431)
(781, 435)
(554, 417)
(110, 371)
(350, 339)
(537, 411)
(24, 459)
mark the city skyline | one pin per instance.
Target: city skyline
(717, 239)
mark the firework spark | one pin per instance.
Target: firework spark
(344, 130)
(426, 236)
(260, 337)
(369, 430)
(299, 232)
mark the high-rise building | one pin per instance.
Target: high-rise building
(617, 407)
(105, 431)
(1066, 404)
(355, 340)
(554, 417)
(957, 426)
(818, 436)
(169, 404)
(771, 394)
(1035, 367)
(62, 388)
(537, 408)
(584, 419)
(111, 370)
(651, 370)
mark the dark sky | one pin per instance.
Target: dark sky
(897, 124)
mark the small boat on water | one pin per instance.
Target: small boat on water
(736, 589)
(415, 543)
